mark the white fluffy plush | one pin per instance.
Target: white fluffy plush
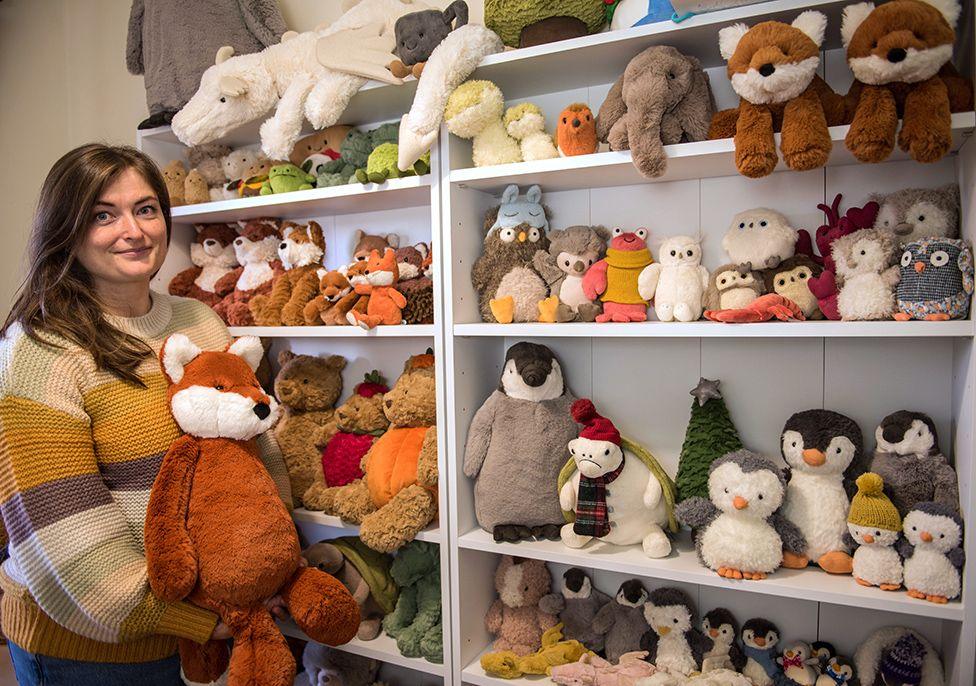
(670, 622)
(178, 351)
(677, 282)
(918, 65)
(449, 65)
(761, 236)
(866, 274)
(294, 253)
(867, 659)
(876, 561)
(786, 83)
(928, 570)
(288, 76)
(638, 511)
(526, 124)
(474, 111)
(255, 257)
(815, 497)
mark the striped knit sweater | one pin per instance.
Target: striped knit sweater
(79, 451)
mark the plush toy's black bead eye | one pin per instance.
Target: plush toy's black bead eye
(673, 253)
(782, 282)
(921, 217)
(762, 223)
(223, 99)
(742, 225)
(690, 253)
(606, 452)
(218, 387)
(863, 253)
(760, 496)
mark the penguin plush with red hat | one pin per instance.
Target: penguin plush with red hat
(613, 489)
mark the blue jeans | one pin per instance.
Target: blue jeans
(39, 670)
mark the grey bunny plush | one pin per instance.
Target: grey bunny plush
(418, 33)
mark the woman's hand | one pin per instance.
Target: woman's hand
(277, 606)
(221, 632)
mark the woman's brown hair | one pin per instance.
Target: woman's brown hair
(58, 296)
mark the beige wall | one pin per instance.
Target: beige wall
(63, 82)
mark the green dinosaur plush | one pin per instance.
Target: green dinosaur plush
(382, 165)
(416, 622)
(285, 178)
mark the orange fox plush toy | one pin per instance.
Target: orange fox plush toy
(217, 532)
(385, 301)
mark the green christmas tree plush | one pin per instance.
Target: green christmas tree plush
(710, 434)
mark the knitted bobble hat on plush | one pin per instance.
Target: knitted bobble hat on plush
(871, 507)
(902, 664)
(598, 427)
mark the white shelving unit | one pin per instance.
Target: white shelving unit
(639, 374)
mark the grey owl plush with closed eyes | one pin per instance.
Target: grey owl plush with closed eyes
(936, 280)
(912, 214)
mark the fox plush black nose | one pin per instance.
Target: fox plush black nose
(262, 410)
(893, 433)
(576, 123)
(897, 54)
(767, 69)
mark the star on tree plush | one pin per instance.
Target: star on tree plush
(710, 434)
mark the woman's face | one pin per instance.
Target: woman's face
(126, 239)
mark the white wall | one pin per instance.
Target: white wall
(63, 83)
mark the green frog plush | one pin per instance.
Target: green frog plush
(285, 178)
(382, 165)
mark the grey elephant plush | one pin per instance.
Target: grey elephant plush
(418, 33)
(662, 98)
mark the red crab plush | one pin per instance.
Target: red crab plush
(762, 309)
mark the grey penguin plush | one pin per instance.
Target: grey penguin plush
(673, 643)
(725, 653)
(759, 639)
(622, 620)
(576, 605)
(517, 444)
(909, 461)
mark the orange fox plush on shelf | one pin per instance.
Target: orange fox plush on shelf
(217, 533)
(385, 301)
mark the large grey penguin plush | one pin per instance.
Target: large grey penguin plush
(517, 445)
(622, 620)
(576, 605)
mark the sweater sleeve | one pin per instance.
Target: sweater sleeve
(69, 536)
(275, 464)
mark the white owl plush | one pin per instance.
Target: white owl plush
(677, 282)
(760, 236)
(866, 274)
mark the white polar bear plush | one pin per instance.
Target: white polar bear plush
(678, 281)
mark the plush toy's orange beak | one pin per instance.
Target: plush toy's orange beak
(814, 457)
(740, 503)
(867, 538)
(759, 641)
(926, 536)
(920, 267)
(664, 630)
(713, 633)
(522, 236)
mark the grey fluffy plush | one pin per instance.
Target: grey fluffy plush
(172, 42)
(663, 97)
(577, 605)
(623, 625)
(516, 446)
(581, 247)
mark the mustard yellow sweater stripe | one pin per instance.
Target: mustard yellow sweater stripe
(79, 451)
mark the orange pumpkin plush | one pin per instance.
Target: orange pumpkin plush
(217, 533)
(398, 496)
(900, 54)
(773, 68)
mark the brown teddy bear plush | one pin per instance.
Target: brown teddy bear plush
(417, 288)
(308, 388)
(360, 421)
(398, 496)
(300, 251)
(773, 69)
(899, 53)
(515, 618)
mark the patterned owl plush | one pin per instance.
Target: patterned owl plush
(936, 280)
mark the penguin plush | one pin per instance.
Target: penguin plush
(838, 671)
(823, 451)
(621, 621)
(823, 651)
(911, 464)
(673, 644)
(933, 552)
(739, 531)
(725, 653)
(797, 662)
(759, 639)
(576, 605)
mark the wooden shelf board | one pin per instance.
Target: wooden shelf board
(708, 329)
(683, 565)
(402, 331)
(705, 159)
(382, 648)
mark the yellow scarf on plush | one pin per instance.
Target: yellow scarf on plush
(624, 266)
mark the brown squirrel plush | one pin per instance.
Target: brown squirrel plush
(773, 68)
(899, 53)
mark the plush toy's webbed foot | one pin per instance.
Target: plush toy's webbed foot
(889, 587)
(939, 317)
(729, 573)
(321, 606)
(901, 317)
(939, 599)
(548, 309)
(754, 576)
(511, 533)
(503, 309)
(862, 581)
(549, 532)
(836, 562)
(913, 593)
(379, 176)
(794, 561)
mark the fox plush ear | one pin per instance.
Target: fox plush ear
(949, 9)
(249, 349)
(728, 39)
(853, 17)
(177, 352)
(813, 24)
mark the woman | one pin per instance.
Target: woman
(84, 424)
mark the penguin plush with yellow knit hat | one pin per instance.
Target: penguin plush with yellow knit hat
(874, 525)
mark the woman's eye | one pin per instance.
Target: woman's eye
(102, 217)
(147, 209)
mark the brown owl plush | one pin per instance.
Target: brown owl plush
(509, 287)
(790, 279)
(733, 286)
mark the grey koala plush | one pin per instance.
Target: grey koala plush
(571, 252)
(577, 605)
(622, 621)
(418, 33)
